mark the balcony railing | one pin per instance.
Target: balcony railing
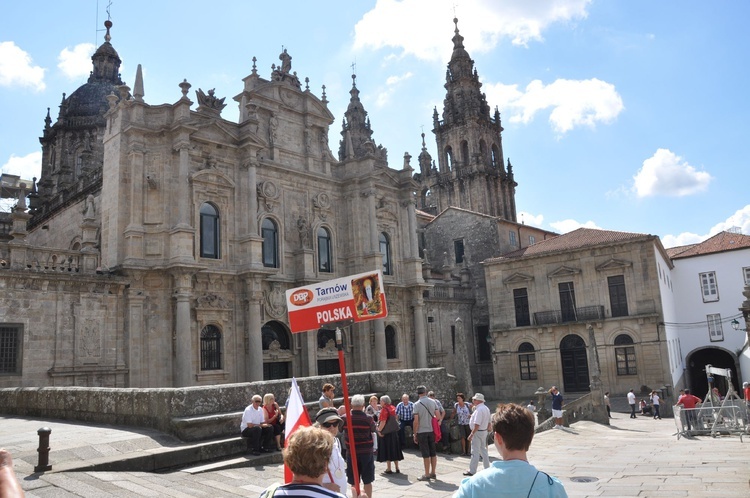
(582, 314)
(450, 292)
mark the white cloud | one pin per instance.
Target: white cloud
(17, 69)
(76, 62)
(740, 219)
(412, 29)
(572, 102)
(565, 226)
(391, 83)
(530, 219)
(666, 173)
(27, 167)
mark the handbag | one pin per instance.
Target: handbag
(390, 425)
(436, 429)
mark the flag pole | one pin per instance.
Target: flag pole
(348, 406)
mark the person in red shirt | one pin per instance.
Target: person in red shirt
(689, 402)
(746, 392)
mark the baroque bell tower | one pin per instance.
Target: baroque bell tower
(470, 172)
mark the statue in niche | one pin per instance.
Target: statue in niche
(273, 127)
(304, 232)
(89, 208)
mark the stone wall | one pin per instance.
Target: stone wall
(170, 409)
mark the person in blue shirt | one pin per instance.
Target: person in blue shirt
(513, 476)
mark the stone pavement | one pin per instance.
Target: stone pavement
(640, 457)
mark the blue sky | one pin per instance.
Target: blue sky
(621, 115)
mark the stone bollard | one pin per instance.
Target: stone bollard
(43, 450)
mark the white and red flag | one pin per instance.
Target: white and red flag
(296, 417)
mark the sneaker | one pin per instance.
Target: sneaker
(468, 473)
(423, 478)
(433, 476)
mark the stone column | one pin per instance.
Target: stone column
(372, 216)
(381, 360)
(254, 353)
(136, 342)
(413, 242)
(183, 215)
(420, 335)
(599, 413)
(461, 362)
(183, 338)
(252, 198)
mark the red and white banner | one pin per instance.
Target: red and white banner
(296, 417)
(357, 298)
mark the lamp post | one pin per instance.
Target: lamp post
(745, 309)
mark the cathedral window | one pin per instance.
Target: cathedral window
(270, 234)
(209, 231)
(458, 247)
(496, 159)
(465, 153)
(325, 255)
(449, 158)
(385, 250)
(512, 238)
(10, 348)
(390, 343)
(210, 348)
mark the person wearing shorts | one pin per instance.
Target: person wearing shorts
(424, 410)
(557, 402)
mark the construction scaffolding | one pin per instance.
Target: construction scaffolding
(714, 416)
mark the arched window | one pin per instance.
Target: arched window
(391, 352)
(385, 250)
(270, 234)
(449, 158)
(209, 230)
(496, 159)
(465, 153)
(210, 348)
(527, 361)
(325, 255)
(274, 331)
(625, 355)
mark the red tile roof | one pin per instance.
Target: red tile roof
(722, 241)
(577, 239)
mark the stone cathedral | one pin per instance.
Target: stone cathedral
(156, 247)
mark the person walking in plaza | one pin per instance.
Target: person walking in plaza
(513, 476)
(424, 410)
(362, 427)
(441, 410)
(462, 411)
(655, 402)
(307, 453)
(405, 413)
(255, 428)
(480, 424)
(557, 403)
(608, 404)
(631, 402)
(335, 477)
(389, 447)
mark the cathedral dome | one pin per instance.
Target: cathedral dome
(90, 99)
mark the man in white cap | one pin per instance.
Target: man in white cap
(479, 424)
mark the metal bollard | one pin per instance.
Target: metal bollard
(43, 450)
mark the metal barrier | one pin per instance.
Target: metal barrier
(731, 417)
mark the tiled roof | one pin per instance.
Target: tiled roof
(577, 239)
(722, 241)
(674, 251)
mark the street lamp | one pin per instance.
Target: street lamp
(736, 325)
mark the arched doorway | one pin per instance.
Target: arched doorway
(277, 354)
(696, 374)
(575, 364)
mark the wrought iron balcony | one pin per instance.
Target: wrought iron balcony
(582, 314)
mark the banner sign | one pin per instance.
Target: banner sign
(358, 298)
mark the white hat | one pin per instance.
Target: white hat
(478, 397)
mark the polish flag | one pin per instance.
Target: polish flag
(296, 417)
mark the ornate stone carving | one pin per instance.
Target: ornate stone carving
(211, 301)
(269, 194)
(303, 227)
(275, 302)
(210, 101)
